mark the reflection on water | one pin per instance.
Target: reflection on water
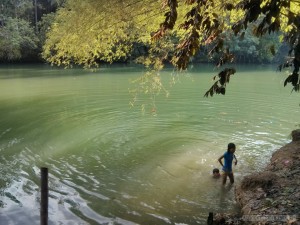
(109, 164)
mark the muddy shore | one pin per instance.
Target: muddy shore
(271, 196)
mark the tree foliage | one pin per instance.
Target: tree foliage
(248, 48)
(276, 16)
(16, 9)
(17, 39)
(267, 16)
(87, 32)
(92, 31)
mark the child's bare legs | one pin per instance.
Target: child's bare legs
(230, 175)
(225, 174)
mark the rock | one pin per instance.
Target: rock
(296, 135)
(275, 190)
(262, 180)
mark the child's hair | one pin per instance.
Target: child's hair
(230, 146)
(216, 170)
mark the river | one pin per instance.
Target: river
(110, 163)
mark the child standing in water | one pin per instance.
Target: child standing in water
(227, 166)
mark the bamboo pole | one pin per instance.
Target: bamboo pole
(44, 196)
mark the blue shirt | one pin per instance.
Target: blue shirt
(228, 157)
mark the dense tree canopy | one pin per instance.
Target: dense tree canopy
(89, 32)
(20, 36)
(86, 32)
(17, 39)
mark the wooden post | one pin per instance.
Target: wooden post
(44, 196)
(210, 219)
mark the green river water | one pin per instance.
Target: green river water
(112, 164)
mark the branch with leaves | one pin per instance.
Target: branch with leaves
(92, 31)
(219, 87)
(170, 19)
(267, 17)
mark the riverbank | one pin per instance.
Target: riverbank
(271, 196)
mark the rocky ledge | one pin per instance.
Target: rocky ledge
(273, 195)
